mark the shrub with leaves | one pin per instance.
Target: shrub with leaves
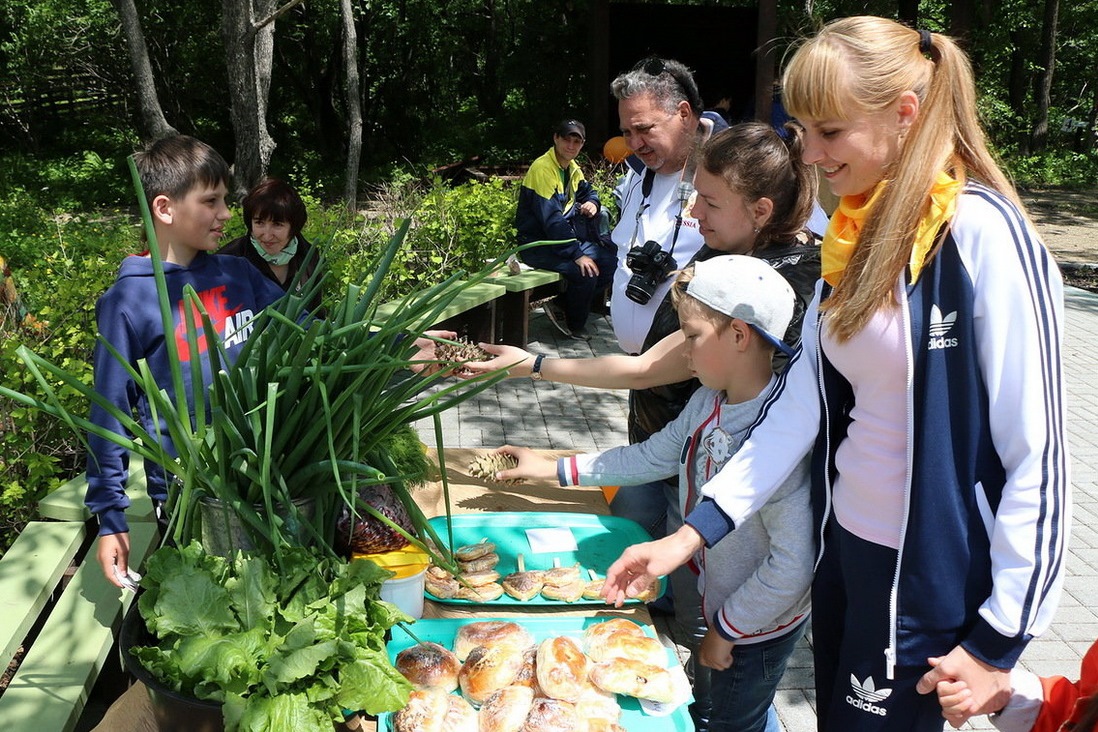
(453, 229)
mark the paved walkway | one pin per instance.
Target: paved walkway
(559, 416)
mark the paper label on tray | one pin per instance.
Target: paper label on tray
(551, 540)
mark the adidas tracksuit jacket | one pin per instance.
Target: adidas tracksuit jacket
(987, 497)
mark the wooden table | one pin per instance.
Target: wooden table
(131, 713)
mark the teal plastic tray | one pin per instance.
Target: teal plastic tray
(600, 540)
(444, 630)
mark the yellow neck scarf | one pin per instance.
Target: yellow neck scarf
(841, 238)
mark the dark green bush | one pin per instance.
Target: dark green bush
(453, 229)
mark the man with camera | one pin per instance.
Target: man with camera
(556, 204)
(661, 118)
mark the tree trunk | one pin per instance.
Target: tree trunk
(962, 15)
(354, 105)
(908, 12)
(247, 27)
(153, 123)
(1044, 80)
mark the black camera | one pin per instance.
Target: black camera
(651, 266)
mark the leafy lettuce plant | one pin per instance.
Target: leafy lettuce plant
(287, 647)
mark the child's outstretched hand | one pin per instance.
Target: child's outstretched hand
(517, 361)
(531, 466)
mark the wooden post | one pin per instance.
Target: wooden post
(764, 59)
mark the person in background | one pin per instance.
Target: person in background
(929, 390)
(275, 215)
(556, 204)
(185, 182)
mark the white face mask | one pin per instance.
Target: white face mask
(281, 258)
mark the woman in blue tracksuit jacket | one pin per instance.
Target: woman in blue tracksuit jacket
(928, 388)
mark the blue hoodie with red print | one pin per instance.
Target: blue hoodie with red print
(232, 291)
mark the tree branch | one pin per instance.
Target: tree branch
(277, 14)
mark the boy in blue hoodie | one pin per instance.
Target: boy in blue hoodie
(185, 183)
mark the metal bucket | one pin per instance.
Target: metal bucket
(224, 532)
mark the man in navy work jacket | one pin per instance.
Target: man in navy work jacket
(557, 205)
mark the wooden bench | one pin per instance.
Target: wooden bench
(472, 313)
(67, 628)
(513, 309)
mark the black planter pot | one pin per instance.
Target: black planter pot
(174, 712)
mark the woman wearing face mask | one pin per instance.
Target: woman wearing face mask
(754, 196)
(275, 214)
(928, 389)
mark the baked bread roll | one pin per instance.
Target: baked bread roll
(561, 668)
(595, 635)
(429, 666)
(634, 678)
(481, 593)
(483, 577)
(424, 712)
(524, 586)
(440, 583)
(472, 551)
(481, 563)
(506, 709)
(592, 590)
(488, 669)
(594, 703)
(460, 716)
(490, 633)
(560, 576)
(551, 715)
(627, 645)
(569, 592)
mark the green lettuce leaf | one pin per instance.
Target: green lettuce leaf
(283, 712)
(371, 684)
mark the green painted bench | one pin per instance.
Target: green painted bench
(472, 313)
(66, 628)
(524, 290)
(66, 502)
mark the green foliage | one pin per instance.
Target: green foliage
(62, 266)
(1055, 168)
(285, 647)
(455, 229)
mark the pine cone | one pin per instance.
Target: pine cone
(365, 534)
(487, 465)
(464, 351)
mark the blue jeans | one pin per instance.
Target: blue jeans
(743, 694)
(580, 291)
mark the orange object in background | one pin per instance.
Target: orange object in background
(608, 492)
(616, 150)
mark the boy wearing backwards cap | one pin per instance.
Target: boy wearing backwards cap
(755, 582)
